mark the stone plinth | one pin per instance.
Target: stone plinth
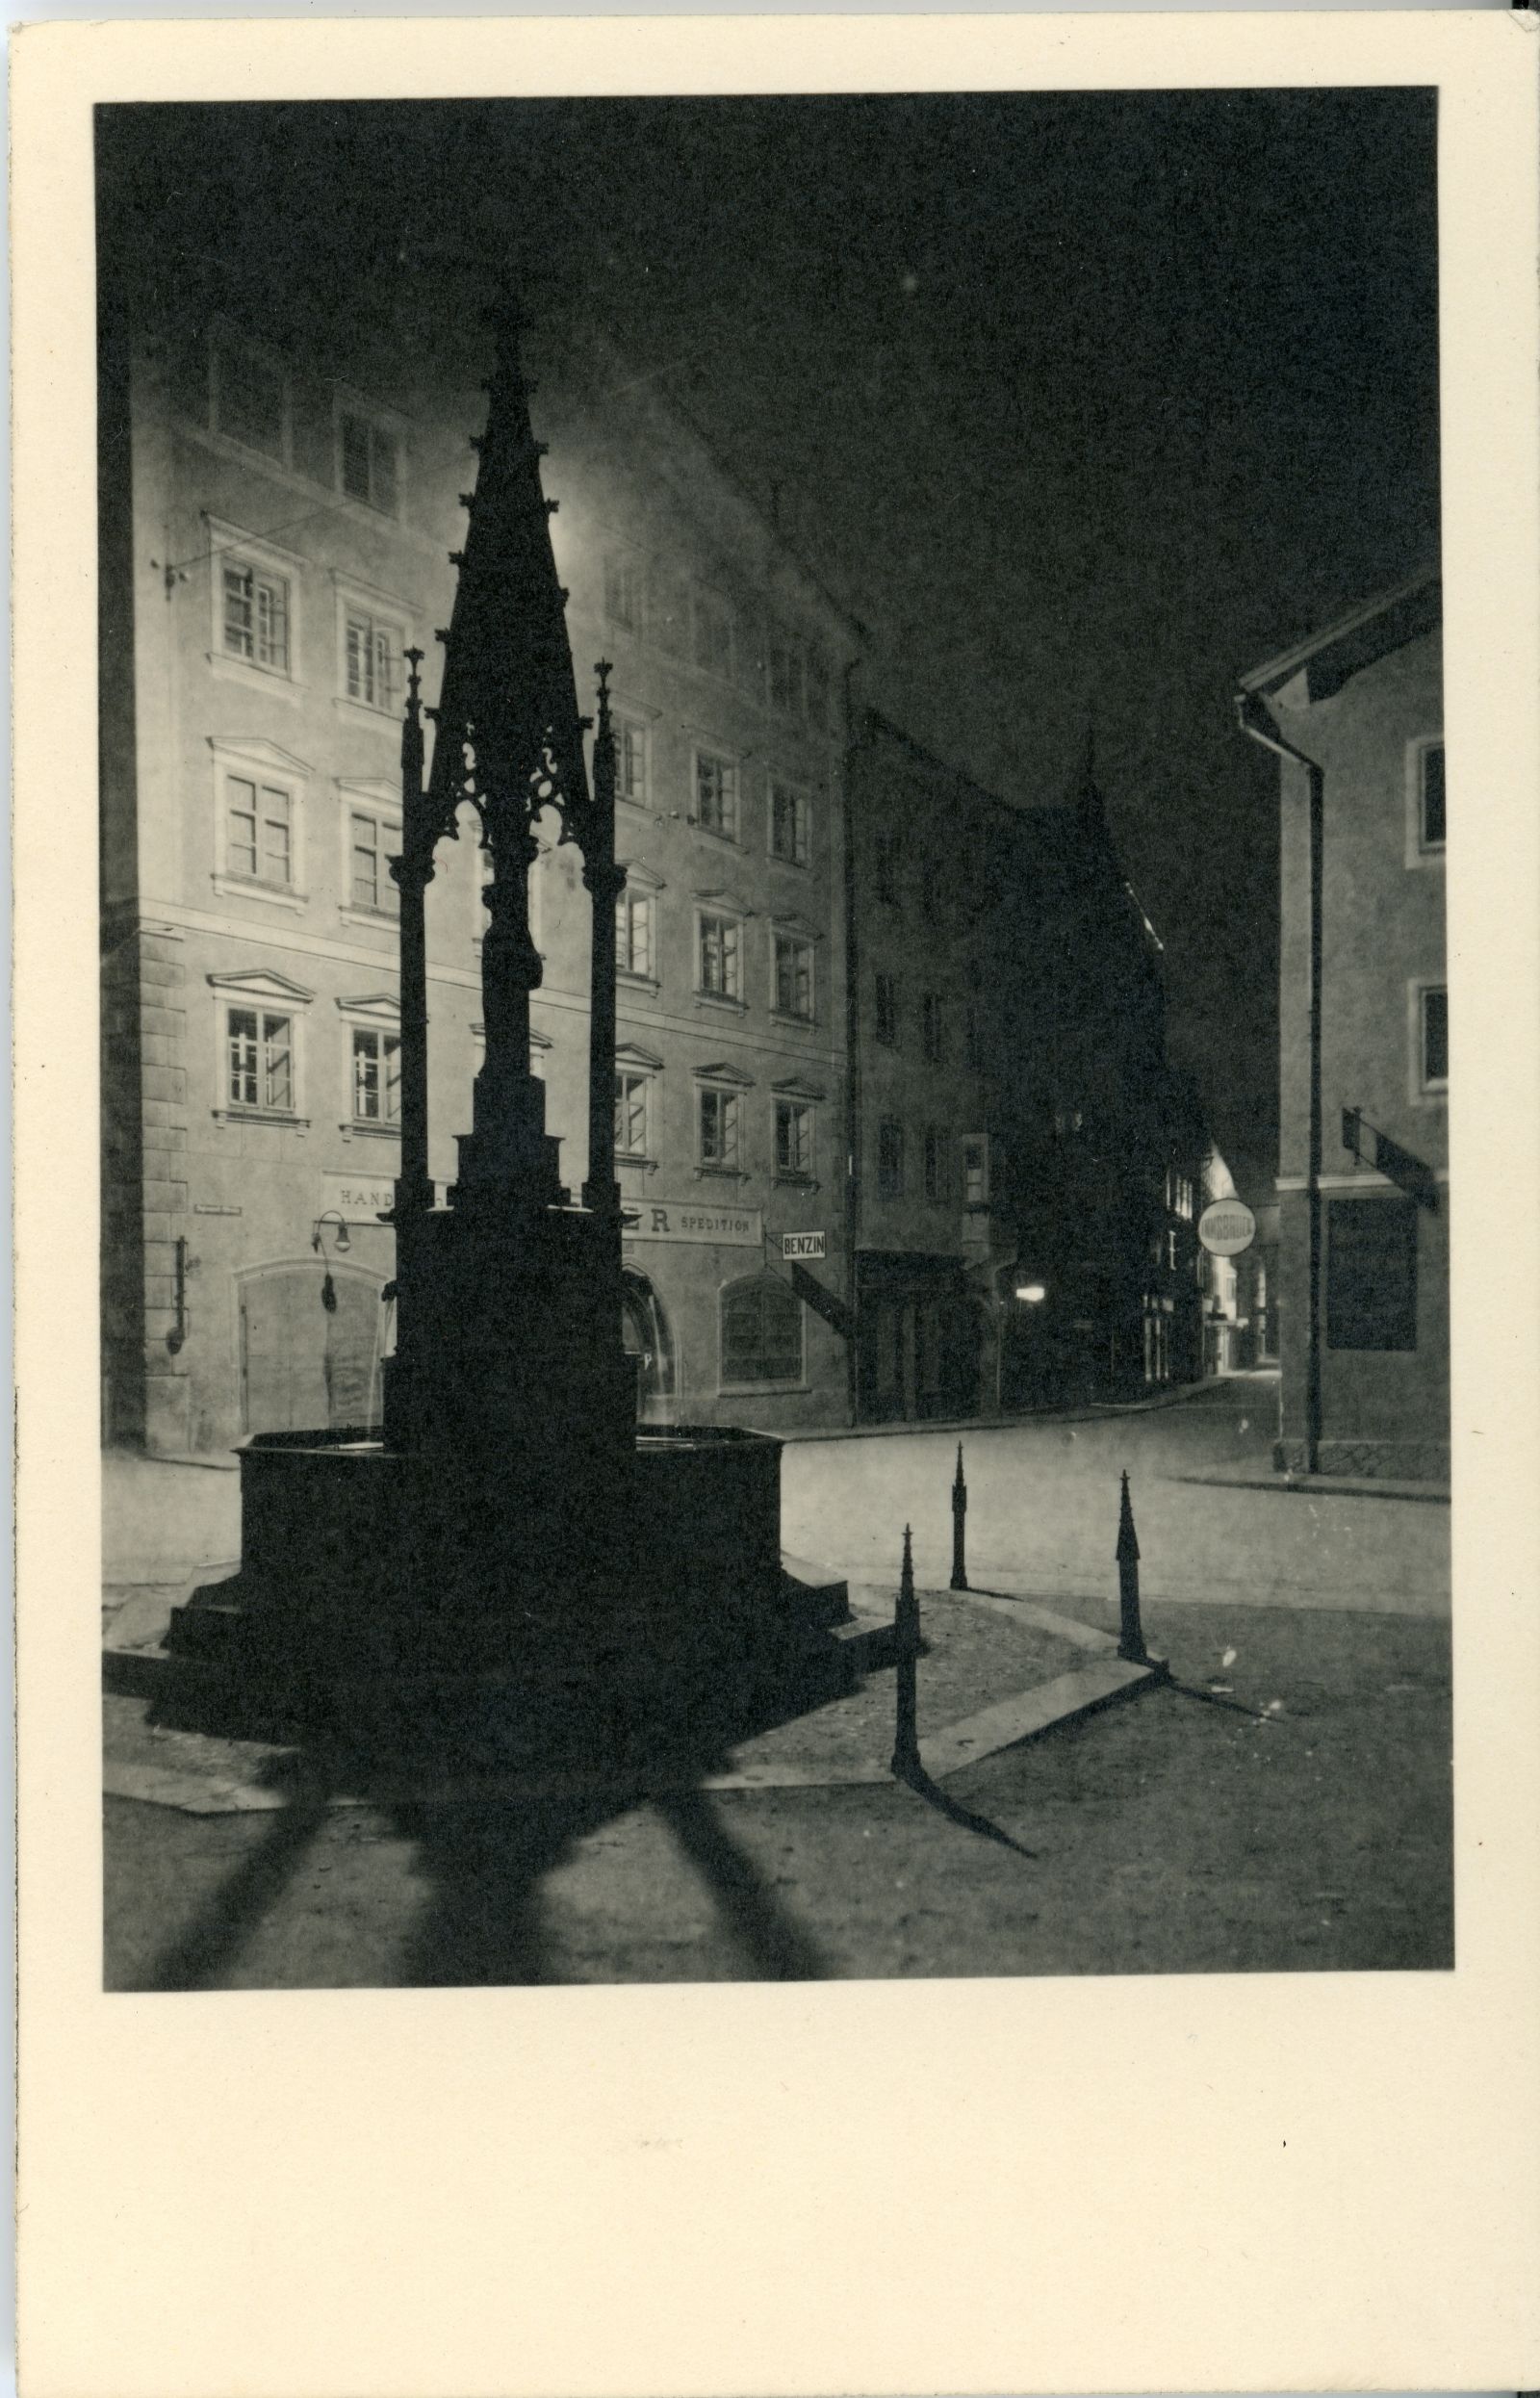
(331, 1590)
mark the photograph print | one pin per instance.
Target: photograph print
(774, 1039)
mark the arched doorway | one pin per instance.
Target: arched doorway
(644, 1335)
(304, 1366)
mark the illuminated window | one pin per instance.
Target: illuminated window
(633, 933)
(255, 616)
(975, 1155)
(633, 1096)
(376, 1076)
(259, 833)
(372, 840)
(372, 654)
(260, 1060)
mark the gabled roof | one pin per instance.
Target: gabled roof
(1356, 641)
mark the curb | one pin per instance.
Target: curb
(1008, 1723)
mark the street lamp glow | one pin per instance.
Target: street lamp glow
(1031, 1292)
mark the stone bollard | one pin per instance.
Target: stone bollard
(959, 1509)
(1131, 1640)
(906, 1763)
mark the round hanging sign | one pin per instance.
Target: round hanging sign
(1226, 1227)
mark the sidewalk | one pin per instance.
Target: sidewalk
(993, 1671)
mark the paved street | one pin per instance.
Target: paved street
(1284, 1804)
(1296, 1818)
(1043, 1509)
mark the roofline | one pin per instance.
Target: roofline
(1281, 669)
(873, 719)
(669, 404)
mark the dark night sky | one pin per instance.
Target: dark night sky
(1082, 402)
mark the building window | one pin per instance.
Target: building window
(1171, 1252)
(250, 397)
(720, 956)
(372, 652)
(632, 1102)
(1433, 1036)
(886, 1011)
(367, 453)
(371, 840)
(633, 933)
(623, 590)
(260, 1058)
(890, 1160)
(259, 832)
(714, 634)
(630, 761)
(716, 795)
(1372, 1274)
(793, 965)
(785, 672)
(975, 1152)
(376, 1076)
(887, 867)
(793, 1140)
(1431, 796)
(255, 615)
(931, 1028)
(762, 1332)
(1426, 811)
(790, 824)
(971, 1034)
(935, 1153)
(719, 1129)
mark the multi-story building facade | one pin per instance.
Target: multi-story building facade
(1356, 716)
(279, 498)
(1018, 1223)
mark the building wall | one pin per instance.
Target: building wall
(1383, 1410)
(220, 1202)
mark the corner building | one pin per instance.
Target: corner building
(1359, 707)
(280, 490)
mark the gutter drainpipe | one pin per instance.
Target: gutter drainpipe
(1253, 719)
(852, 1088)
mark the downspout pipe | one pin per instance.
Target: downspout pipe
(852, 1089)
(1254, 720)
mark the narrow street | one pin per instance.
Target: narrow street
(1043, 1509)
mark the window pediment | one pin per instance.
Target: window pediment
(628, 1053)
(378, 1006)
(796, 928)
(261, 983)
(257, 752)
(794, 1088)
(377, 795)
(639, 875)
(732, 1076)
(728, 901)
